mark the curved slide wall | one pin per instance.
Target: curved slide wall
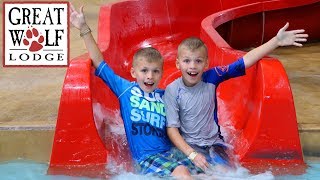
(259, 105)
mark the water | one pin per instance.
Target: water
(28, 170)
(313, 172)
(111, 130)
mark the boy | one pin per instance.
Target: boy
(192, 123)
(151, 149)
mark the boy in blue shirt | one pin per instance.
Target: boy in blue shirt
(191, 104)
(141, 106)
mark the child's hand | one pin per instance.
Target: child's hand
(286, 38)
(201, 162)
(77, 18)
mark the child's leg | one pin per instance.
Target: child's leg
(163, 164)
(181, 172)
(183, 159)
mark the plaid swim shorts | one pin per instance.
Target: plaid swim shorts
(162, 164)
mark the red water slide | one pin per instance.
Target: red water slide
(258, 106)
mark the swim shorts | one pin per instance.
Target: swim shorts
(214, 154)
(163, 164)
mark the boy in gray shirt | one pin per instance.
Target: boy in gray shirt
(191, 104)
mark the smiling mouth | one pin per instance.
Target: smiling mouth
(193, 74)
(148, 84)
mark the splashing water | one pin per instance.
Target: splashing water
(27, 170)
(110, 127)
(238, 173)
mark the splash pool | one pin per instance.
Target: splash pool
(28, 170)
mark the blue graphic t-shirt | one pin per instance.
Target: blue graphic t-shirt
(143, 114)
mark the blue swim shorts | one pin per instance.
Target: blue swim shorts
(163, 164)
(214, 154)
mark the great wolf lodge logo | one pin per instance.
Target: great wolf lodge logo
(35, 34)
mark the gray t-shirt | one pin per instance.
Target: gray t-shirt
(192, 109)
(195, 106)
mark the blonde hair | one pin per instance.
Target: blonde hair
(149, 53)
(192, 44)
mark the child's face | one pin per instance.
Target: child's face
(191, 65)
(147, 74)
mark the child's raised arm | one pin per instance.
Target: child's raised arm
(77, 19)
(283, 38)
